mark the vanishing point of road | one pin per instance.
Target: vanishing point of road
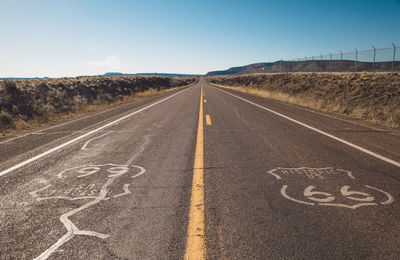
(201, 172)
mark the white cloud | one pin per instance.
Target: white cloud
(112, 62)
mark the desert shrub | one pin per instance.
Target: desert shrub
(45, 109)
(11, 89)
(6, 121)
(24, 110)
(50, 99)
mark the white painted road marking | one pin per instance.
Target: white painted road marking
(141, 149)
(309, 172)
(383, 158)
(349, 198)
(4, 172)
(86, 144)
(97, 195)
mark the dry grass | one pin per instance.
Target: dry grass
(371, 98)
(100, 106)
(16, 116)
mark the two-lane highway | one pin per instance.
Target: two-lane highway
(202, 172)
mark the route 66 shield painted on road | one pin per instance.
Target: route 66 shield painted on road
(88, 186)
(328, 187)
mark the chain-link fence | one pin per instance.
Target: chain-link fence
(374, 60)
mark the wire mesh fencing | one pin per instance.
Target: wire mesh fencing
(373, 60)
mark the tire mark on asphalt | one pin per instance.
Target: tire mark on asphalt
(259, 134)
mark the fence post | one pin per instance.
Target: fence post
(330, 55)
(341, 61)
(373, 64)
(355, 63)
(394, 56)
(280, 64)
(321, 62)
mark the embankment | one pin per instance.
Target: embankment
(28, 103)
(372, 98)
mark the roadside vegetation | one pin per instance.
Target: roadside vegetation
(374, 98)
(25, 104)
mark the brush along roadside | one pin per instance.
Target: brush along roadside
(371, 98)
(33, 104)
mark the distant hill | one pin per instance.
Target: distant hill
(152, 74)
(252, 68)
(306, 66)
(22, 78)
(168, 74)
(114, 74)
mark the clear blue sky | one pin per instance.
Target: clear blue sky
(59, 38)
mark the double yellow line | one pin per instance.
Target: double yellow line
(195, 244)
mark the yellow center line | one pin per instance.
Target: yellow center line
(208, 119)
(195, 243)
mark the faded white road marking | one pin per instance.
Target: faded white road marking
(39, 132)
(309, 172)
(285, 195)
(126, 191)
(326, 176)
(86, 144)
(113, 173)
(390, 197)
(383, 158)
(308, 192)
(141, 149)
(356, 206)
(345, 190)
(74, 132)
(146, 141)
(15, 167)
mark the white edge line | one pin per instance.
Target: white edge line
(4, 172)
(67, 122)
(383, 158)
(53, 126)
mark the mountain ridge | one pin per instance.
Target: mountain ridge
(308, 66)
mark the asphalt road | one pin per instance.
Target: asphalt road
(201, 171)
